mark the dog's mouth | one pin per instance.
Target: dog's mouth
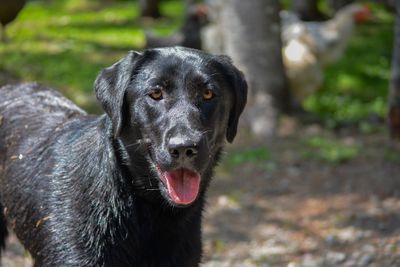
(182, 185)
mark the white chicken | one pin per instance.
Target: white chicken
(309, 46)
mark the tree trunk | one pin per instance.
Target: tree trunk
(307, 10)
(251, 37)
(338, 4)
(389, 4)
(394, 88)
(150, 8)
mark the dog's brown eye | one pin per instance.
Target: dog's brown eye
(208, 94)
(156, 94)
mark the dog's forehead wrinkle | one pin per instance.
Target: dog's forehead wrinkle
(181, 53)
(180, 61)
(179, 71)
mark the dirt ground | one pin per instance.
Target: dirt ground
(296, 211)
(307, 213)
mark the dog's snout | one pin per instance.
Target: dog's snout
(180, 148)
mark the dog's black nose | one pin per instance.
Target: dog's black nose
(182, 149)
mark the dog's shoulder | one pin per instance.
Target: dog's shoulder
(32, 106)
(35, 97)
(29, 115)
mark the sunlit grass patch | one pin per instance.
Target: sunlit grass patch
(65, 43)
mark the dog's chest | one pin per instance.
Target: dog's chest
(153, 240)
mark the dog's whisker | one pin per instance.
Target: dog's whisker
(139, 142)
(152, 189)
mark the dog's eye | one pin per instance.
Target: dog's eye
(208, 94)
(156, 94)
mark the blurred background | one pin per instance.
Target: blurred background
(313, 178)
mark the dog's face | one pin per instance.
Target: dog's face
(182, 104)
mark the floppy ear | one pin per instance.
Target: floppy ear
(239, 89)
(111, 85)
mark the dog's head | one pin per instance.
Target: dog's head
(182, 103)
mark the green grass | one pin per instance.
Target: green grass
(65, 43)
(357, 85)
(392, 155)
(258, 157)
(330, 150)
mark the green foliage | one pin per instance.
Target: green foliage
(65, 43)
(392, 155)
(257, 157)
(357, 85)
(261, 154)
(330, 150)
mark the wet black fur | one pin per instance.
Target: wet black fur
(82, 190)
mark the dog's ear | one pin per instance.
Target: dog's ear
(111, 85)
(239, 88)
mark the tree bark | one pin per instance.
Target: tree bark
(150, 8)
(307, 10)
(338, 4)
(394, 87)
(251, 37)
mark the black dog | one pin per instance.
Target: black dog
(126, 188)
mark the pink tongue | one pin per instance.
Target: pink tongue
(182, 185)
